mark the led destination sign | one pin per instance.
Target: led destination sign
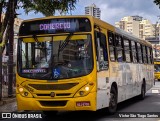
(53, 26)
(56, 26)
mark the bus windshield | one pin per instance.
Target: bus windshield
(55, 57)
(157, 67)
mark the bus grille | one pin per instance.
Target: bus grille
(53, 103)
(65, 94)
(66, 86)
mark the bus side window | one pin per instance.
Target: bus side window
(119, 48)
(101, 50)
(111, 46)
(151, 53)
(134, 52)
(127, 48)
(144, 54)
(139, 53)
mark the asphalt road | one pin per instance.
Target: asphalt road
(150, 105)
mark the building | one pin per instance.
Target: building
(137, 26)
(130, 24)
(17, 23)
(93, 10)
(147, 29)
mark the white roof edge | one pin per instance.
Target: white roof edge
(120, 31)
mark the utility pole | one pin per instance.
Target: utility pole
(1, 73)
(158, 29)
(157, 35)
(156, 39)
(11, 40)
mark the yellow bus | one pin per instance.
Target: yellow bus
(70, 63)
(157, 69)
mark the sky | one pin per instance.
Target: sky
(112, 10)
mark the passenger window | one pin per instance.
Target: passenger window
(119, 48)
(111, 46)
(139, 53)
(149, 55)
(144, 54)
(134, 52)
(127, 50)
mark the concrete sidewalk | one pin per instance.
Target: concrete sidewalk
(8, 104)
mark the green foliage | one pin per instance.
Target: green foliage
(48, 7)
(157, 2)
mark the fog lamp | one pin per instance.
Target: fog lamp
(81, 93)
(25, 93)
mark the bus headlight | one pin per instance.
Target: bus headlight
(21, 89)
(87, 88)
(84, 90)
(24, 92)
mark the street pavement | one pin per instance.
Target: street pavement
(150, 104)
(9, 106)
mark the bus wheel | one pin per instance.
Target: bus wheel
(50, 113)
(143, 91)
(113, 101)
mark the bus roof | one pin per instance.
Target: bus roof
(100, 23)
(51, 17)
(106, 25)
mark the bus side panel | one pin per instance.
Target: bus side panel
(103, 89)
(149, 77)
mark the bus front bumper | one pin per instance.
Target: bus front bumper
(61, 104)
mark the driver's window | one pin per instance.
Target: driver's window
(101, 50)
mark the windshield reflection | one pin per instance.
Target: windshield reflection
(48, 60)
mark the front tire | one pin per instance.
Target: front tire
(143, 92)
(113, 101)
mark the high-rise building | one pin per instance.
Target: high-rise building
(130, 24)
(137, 26)
(17, 23)
(146, 29)
(93, 10)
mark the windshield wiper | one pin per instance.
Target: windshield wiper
(65, 43)
(35, 38)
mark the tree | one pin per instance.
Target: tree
(157, 2)
(48, 7)
(6, 31)
(9, 7)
